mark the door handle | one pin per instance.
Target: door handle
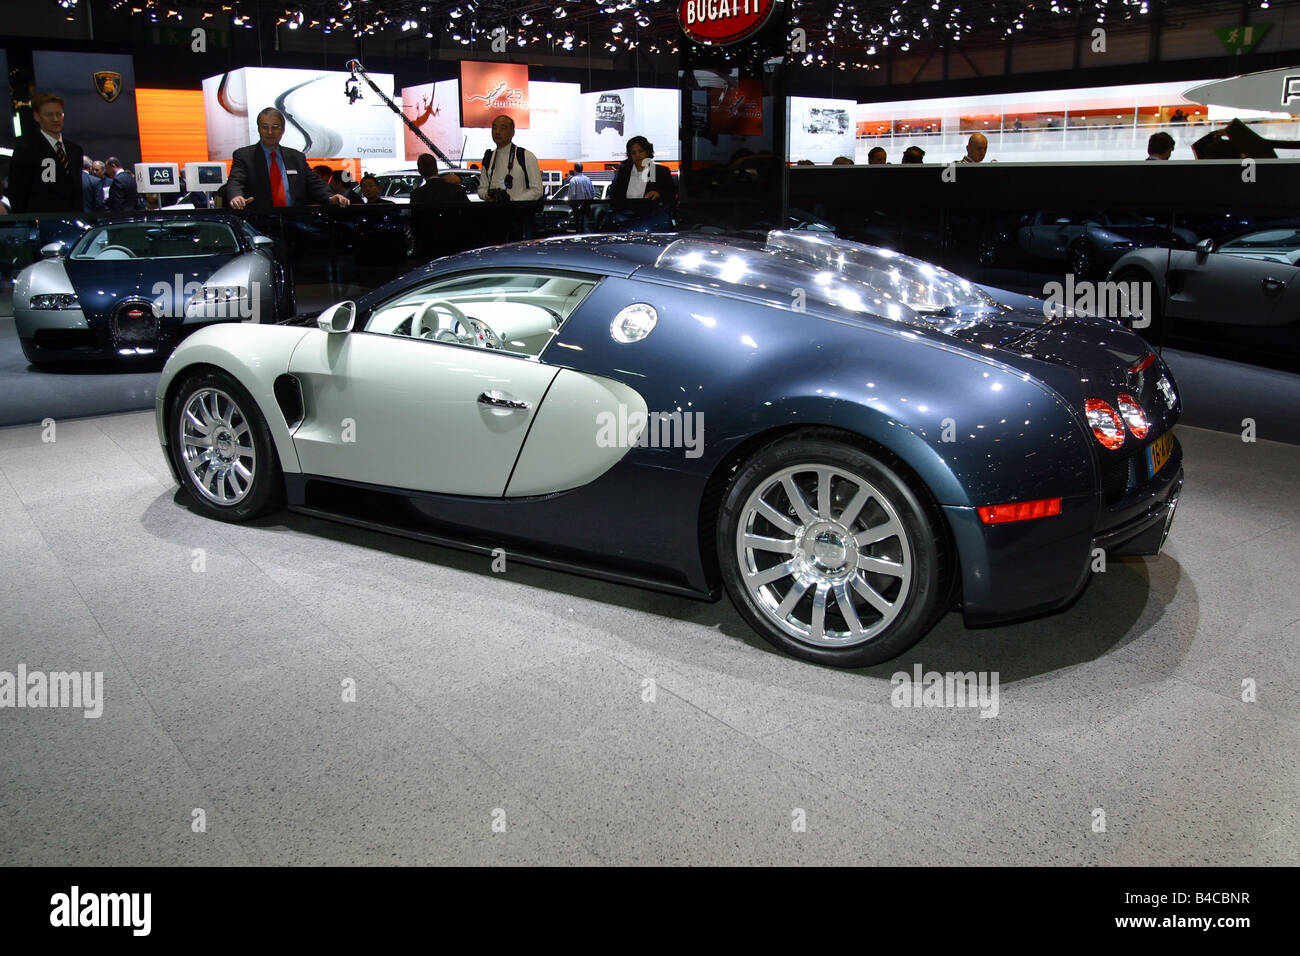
(1272, 286)
(495, 399)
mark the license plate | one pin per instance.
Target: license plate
(1158, 453)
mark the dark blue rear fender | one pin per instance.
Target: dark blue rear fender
(974, 431)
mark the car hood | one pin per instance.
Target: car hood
(102, 284)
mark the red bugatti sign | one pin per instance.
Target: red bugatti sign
(720, 22)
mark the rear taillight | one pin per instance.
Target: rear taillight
(1105, 423)
(1019, 510)
(1134, 417)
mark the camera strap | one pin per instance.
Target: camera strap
(510, 164)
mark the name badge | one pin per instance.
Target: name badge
(292, 172)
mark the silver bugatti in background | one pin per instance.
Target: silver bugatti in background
(136, 287)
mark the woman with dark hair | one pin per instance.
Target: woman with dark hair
(639, 178)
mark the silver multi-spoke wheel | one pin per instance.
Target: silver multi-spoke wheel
(824, 555)
(216, 445)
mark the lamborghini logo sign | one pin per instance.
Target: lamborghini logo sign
(108, 84)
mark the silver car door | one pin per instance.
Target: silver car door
(415, 414)
(1233, 286)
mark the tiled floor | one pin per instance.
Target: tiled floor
(536, 717)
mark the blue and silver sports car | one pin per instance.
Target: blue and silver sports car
(847, 441)
(137, 286)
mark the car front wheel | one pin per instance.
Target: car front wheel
(222, 448)
(830, 554)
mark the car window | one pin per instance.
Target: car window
(517, 312)
(1275, 245)
(162, 239)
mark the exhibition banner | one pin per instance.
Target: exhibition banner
(489, 89)
(821, 129)
(434, 108)
(737, 107)
(98, 91)
(611, 117)
(327, 115)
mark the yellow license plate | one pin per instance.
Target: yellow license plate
(1158, 453)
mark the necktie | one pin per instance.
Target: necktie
(62, 154)
(277, 182)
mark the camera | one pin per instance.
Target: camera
(499, 195)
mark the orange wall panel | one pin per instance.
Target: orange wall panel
(171, 126)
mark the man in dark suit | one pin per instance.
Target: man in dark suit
(92, 188)
(267, 174)
(123, 195)
(435, 190)
(45, 172)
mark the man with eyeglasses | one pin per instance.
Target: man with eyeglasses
(266, 174)
(45, 172)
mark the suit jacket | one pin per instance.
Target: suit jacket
(92, 191)
(122, 194)
(435, 191)
(28, 170)
(250, 178)
(663, 183)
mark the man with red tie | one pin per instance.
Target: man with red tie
(267, 174)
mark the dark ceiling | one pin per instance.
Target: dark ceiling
(858, 28)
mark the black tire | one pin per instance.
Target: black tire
(211, 472)
(1082, 259)
(916, 594)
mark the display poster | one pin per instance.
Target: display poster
(327, 115)
(489, 89)
(553, 131)
(737, 108)
(821, 129)
(98, 91)
(610, 118)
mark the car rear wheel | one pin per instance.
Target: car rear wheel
(222, 448)
(830, 554)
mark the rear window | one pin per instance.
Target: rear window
(778, 276)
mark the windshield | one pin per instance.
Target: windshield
(170, 239)
(921, 286)
(774, 274)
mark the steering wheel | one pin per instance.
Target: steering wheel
(441, 321)
(119, 252)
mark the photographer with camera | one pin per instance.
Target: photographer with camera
(512, 171)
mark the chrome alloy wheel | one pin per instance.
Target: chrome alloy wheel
(824, 555)
(216, 446)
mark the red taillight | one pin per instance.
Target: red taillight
(1105, 423)
(1144, 364)
(1019, 510)
(1133, 415)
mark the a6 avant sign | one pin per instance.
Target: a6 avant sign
(720, 22)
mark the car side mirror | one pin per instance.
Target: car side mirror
(1205, 247)
(54, 250)
(338, 318)
(263, 242)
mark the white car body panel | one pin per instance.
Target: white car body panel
(250, 273)
(255, 355)
(405, 413)
(46, 277)
(562, 451)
